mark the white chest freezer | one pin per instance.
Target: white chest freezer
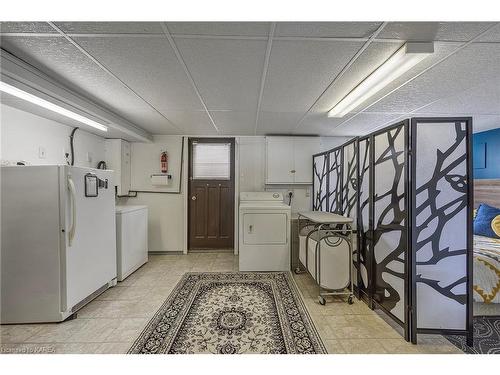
(131, 239)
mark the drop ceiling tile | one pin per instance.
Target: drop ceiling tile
(226, 72)
(110, 27)
(483, 98)
(149, 66)
(326, 29)
(299, 71)
(444, 31)
(358, 125)
(374, 56)
(220, 28)
(25, 27)
(234, 122)
(277, 122)
(492, 36)
(192, 122)
(473, 65)
(62, 61)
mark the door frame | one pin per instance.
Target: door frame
(185, 188)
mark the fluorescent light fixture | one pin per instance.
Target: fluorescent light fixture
(400, 62)
(14, 91)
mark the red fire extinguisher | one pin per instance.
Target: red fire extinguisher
(164, 162)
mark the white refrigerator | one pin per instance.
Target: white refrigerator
(58, 240)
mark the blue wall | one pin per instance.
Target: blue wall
(486, 154)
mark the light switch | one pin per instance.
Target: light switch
(41, 152)
(89, 157)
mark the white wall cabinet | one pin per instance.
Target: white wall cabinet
(289, 159)
(117, 153)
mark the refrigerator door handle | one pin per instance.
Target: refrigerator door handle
(72, 194)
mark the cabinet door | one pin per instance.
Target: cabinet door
(279, 160)
(303, 150)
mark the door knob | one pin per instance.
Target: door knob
(193, 198)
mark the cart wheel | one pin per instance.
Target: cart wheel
(322, 300)
(350, 300)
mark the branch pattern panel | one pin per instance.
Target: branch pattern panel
(335, 180)
(441, 224)
(320, 185)
(349, 194)
(349, 185)
(390, 233)
(364, 212)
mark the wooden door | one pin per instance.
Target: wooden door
(211, 193)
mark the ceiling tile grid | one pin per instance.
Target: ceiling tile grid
(149, 66)
(226, 62)
(299, 71)
(226, 72)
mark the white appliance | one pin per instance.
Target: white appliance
(131, 239)
(264, 232)
(58, 240)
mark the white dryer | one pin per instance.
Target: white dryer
(264, 232)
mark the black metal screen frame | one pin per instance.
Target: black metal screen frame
(371, 302)
(468, 332)
(366, 295)
(325, 153)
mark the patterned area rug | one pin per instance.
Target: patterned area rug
(486, 336)
(232, 313)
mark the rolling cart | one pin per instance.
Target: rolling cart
(325, 251)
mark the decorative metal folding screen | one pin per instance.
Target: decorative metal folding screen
(412, 196)
(442, 209)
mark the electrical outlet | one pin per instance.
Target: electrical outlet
(289, 192)
(42, 153)
(308, 193)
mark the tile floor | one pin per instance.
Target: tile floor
(111, 323)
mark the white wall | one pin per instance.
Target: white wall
(22, 135)
(167, 212)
